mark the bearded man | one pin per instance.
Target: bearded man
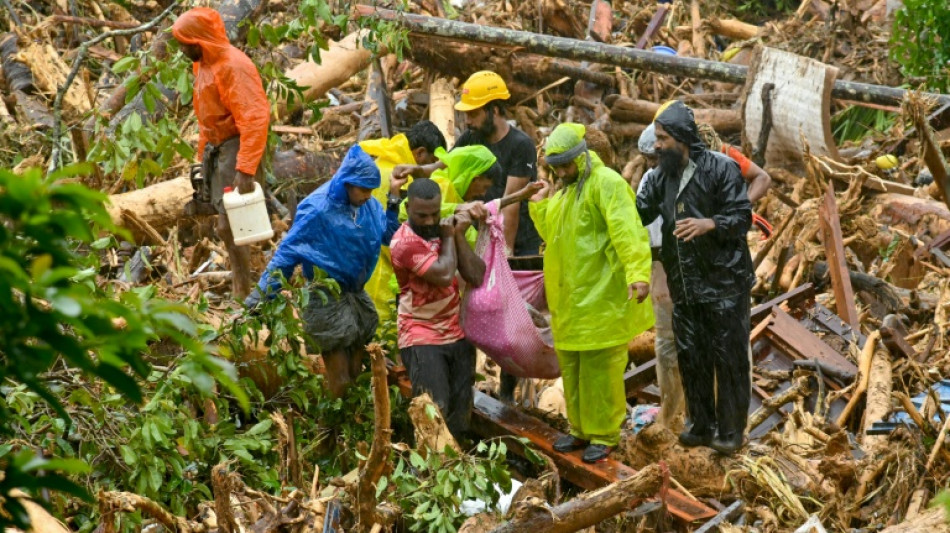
(706, 213)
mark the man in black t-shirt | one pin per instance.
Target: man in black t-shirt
(482, 100)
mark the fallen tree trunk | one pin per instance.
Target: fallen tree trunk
(159, 205)
(587, 509)
(551, 46)
(625, 109)
(344, 59)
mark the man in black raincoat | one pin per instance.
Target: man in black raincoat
(706, 214)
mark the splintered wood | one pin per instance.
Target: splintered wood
(834, 251)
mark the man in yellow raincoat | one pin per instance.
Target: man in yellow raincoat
(596, 274)
(418, 146)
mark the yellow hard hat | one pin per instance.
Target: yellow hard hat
(481, 88)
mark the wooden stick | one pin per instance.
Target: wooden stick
(864, 374)
(95, 23)
(939, 444)
(699, 38)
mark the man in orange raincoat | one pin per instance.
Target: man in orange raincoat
(233, 116)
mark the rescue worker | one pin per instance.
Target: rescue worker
(426, 255)
(417, 146)
(706, 213)
(233, 117)
(482, 101)
(339, 228)
(596, 275)
(672, 401)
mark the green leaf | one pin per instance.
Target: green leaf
(381, 486)
(260, 427)
(125, 64)
(128, 455)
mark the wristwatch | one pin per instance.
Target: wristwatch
(393, 202)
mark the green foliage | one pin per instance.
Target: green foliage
(144, 146)
(430, 489)
(55, 315)
(855, 123)
(920, 42)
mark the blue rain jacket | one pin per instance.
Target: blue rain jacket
(329, 233)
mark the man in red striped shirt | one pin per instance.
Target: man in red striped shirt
(426, 254)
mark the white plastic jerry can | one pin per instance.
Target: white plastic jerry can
(247, 214)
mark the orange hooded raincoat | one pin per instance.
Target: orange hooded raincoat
(229, 98)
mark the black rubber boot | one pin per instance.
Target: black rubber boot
(569, 443)
(695, 436)
(727, 445)
(596, 453)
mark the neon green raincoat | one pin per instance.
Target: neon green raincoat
(596, 246)
(388, 153)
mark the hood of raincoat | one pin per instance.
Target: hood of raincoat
(357, 168)
(677, 119)
(464, 164)
(646, 144)
(563, 138)
(328, 232)
(204, 27)
(394, 150)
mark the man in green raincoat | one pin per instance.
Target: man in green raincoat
(596, 274)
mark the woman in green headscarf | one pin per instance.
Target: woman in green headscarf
(596, 275)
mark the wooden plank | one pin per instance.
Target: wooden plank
(834, 251)
(639, 377)
(494, 419)
(795, 340)
(796, 297)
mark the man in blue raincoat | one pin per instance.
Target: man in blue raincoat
(339, 229)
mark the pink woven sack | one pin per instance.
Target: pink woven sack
(495, 316)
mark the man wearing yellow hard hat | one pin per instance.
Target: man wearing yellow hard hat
(482, 101)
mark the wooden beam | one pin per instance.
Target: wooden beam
(794, 340)
(639, 377)
(493, 418)
(796, 298)
(834, 251)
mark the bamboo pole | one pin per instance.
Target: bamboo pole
(562, 47)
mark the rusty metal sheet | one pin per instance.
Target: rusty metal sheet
(493, 418)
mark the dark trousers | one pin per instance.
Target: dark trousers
(712, 340)
(447, 373)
